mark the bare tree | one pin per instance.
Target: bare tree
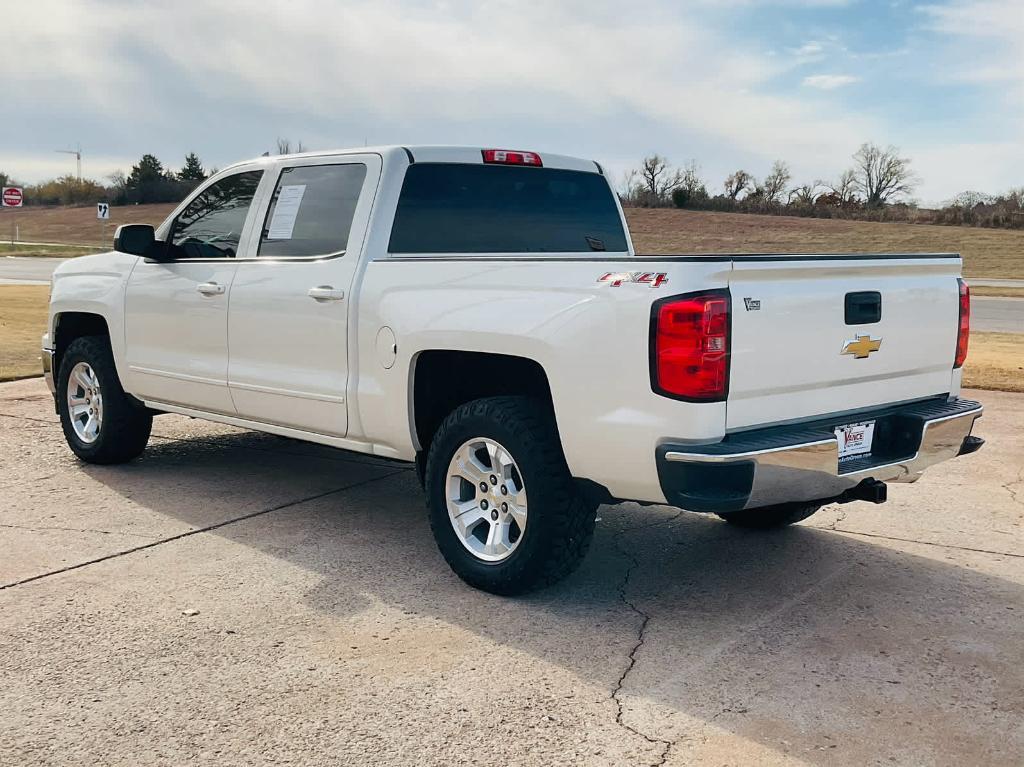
(970, 198)
(284, 146)
(845, 188)
(119, 187)
(881, 174)
(630, 188)
(805, 194)
(691, 181)
(739, 182)
(775, 183)
(691, 190)
(658, 178)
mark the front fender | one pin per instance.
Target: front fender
(93, 285)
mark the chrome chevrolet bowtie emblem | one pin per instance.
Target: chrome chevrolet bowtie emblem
(861, 346)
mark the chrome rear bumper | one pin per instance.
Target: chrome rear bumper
(801, 463)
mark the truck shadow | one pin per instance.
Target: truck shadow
(803, 640)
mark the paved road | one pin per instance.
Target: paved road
(27, 271)
(1004, 315)
(998, 315)
(239, 599)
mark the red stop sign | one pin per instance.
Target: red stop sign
(12, 197)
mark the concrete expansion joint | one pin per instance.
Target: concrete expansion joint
(365, 460)
(936, 544)
(76, 530)
(27, 418)
(196, 531)
(640, 641)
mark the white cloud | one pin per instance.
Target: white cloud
(812, 49)
(992, 32)
(577, 76)
(778, 3)
(576, 62)
(829, 82)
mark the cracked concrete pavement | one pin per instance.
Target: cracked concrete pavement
(244, 599)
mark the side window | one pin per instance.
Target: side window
(211, 225)
(311, 213)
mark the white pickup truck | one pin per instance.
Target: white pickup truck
(482, 313)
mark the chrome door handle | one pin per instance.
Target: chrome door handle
(210, 289)
(326, 293)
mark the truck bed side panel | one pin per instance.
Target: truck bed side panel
(590, 338)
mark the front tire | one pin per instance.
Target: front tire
(771, 517)
(486, 457)
(101, 423)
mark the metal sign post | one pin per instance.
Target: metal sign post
(102, 214)
(12, 197)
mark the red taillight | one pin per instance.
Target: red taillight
(690, 346)
(964, 331)
(510, 157)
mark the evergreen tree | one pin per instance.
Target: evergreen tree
(148, 171)
(149, 182)
(193, 169)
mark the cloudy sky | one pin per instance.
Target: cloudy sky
(732, 83)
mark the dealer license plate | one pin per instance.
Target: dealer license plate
(855, 439)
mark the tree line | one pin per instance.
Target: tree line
(148, 182)
(877, 186)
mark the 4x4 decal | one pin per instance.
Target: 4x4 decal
(615, 279)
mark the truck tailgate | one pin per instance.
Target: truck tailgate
(791, 324)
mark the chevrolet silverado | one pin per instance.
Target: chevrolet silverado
(481, 314)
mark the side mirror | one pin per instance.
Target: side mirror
(134, 239)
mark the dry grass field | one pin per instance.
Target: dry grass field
(22, 323)
(46, 251)
(76, 226)
(995, 361)
(1002, 292)
(987, 252)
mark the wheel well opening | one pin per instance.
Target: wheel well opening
(444, 379)
(71, 325)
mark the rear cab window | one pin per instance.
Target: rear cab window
(466, 208)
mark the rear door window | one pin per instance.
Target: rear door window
(462, 208)
(312, 209)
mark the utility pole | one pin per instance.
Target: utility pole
(78, 156)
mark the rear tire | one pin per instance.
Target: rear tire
(771, 517)
(507, 447)
(107, 425)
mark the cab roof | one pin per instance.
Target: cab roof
(413, 153)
